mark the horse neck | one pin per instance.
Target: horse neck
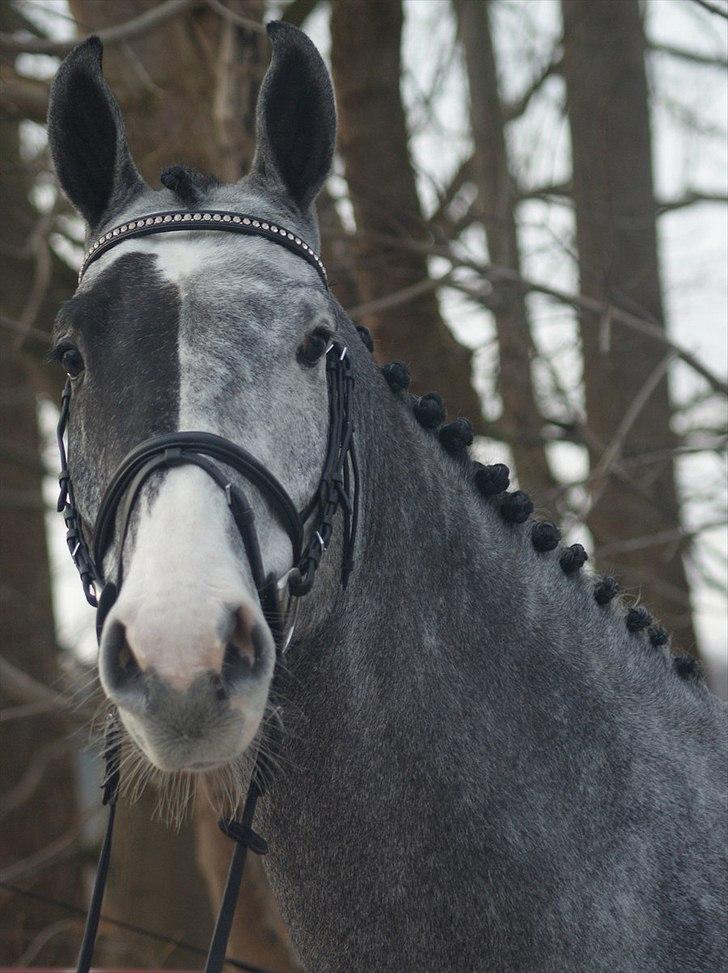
(450, 608)
(460, 681)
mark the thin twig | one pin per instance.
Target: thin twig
(127, 926)
(58, 850)
(26, 710)
(154, 17)
(658, 538)
(497, 274)
(32, 777)
(611, 453)
(24, 689)
(561, 192)
(402, 296)
(18, 329)
(43, 938)
(692, 57)
(235, 18)
(644, 459)
(712, 8)
(42, 272)
(689, 198)
(518, 107)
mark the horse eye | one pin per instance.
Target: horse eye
(72, 362)
(313, 346)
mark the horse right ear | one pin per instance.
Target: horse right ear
(87, 139)
(296, 117)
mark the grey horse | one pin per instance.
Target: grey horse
(488, 763)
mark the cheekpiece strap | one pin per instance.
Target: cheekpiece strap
(210, 219)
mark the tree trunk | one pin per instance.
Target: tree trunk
(47, 815)
(188, 91)
(373, 139)
(521, 415)
(188, 88)
(336, 251)
(607, 97)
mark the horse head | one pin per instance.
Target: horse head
(217, 334)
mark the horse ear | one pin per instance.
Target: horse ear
(87, 139)
(296, 118)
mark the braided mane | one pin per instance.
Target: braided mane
(515, 507)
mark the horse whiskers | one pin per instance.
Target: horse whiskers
(224, 788)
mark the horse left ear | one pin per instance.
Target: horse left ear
(87, 139)
(296, 118)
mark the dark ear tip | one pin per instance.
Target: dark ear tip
(280, 32)
(94, 43)
(89, 51)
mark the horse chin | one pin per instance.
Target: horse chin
(171, 753)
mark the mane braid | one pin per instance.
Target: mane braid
(189, 186)
(491, 482)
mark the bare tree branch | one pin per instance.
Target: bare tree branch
(692, 57)
(396, 298)
(463, 174)
(689, 198)
(14, 44)
(24, 689)
(652, 458)
(247, 23)
(641, 325)
(58, 850)
(50, 932)
(610, 456)
(495, 274)
(658, 538)
(519, 106)
(713, 8)
(19, 330)
(31, 779)
(40, 249)
(561, 192)
(511, 111)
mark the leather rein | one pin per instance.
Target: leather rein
(338, 489)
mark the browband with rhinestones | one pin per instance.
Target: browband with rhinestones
(203, 220)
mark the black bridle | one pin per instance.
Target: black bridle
(338, 489)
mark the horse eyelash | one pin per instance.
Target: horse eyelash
(56, 353)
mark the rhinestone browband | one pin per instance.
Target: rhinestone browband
(203, 220)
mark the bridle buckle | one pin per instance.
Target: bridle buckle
(287, 604)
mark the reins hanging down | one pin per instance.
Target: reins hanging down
(309, 531)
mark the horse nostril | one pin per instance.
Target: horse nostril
(120, 665)
(241, 652)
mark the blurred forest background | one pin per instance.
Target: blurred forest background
(528, 207)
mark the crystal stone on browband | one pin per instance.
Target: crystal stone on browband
(203, 220)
